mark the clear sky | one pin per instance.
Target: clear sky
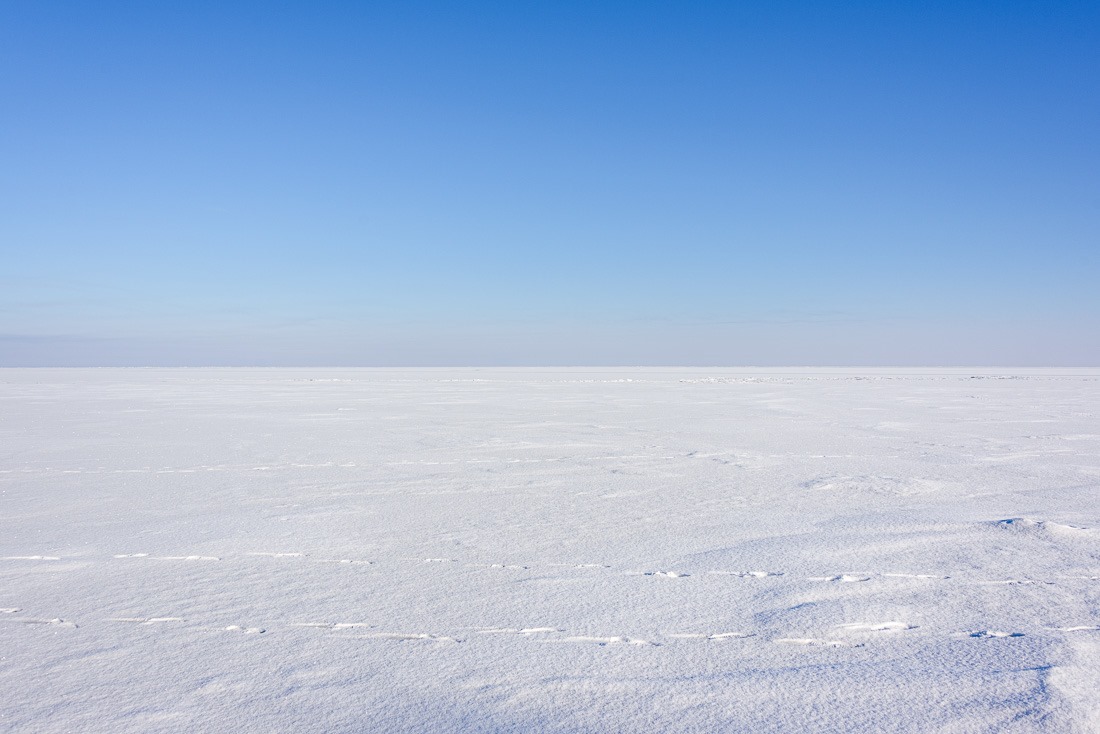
(544, 183)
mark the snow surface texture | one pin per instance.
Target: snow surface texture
(549, 550)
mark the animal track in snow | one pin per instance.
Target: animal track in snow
(345, 561)
(713, 636)
(185, 558)
(167, 558)
(746, 574)
(603, 641)
(404, 637)
(146, 620)
(875, 626)
(924, 576)
(245, 630)
(277, 555)
(1013, 582)
(846, 578)
(991, 634)
(1079, 628)
(509, 566)
(333, 625)
(815, 642)
(663, 574)
(56, 622)
(523, 632)
(30, 558)
(8, 610)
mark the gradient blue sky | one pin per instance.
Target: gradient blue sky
(667, 183)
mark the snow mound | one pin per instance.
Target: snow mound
(1044, 527)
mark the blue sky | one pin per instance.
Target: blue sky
(550, 183)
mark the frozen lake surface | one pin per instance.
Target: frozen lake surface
(612, 550)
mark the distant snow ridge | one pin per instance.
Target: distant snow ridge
(880, 484)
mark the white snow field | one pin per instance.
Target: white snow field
(565, 550)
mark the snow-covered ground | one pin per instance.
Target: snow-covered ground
(619, 550)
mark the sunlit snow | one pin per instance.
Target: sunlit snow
(619, 550)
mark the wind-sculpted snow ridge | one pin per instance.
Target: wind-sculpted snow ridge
(557, 550)
(1047, 528)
